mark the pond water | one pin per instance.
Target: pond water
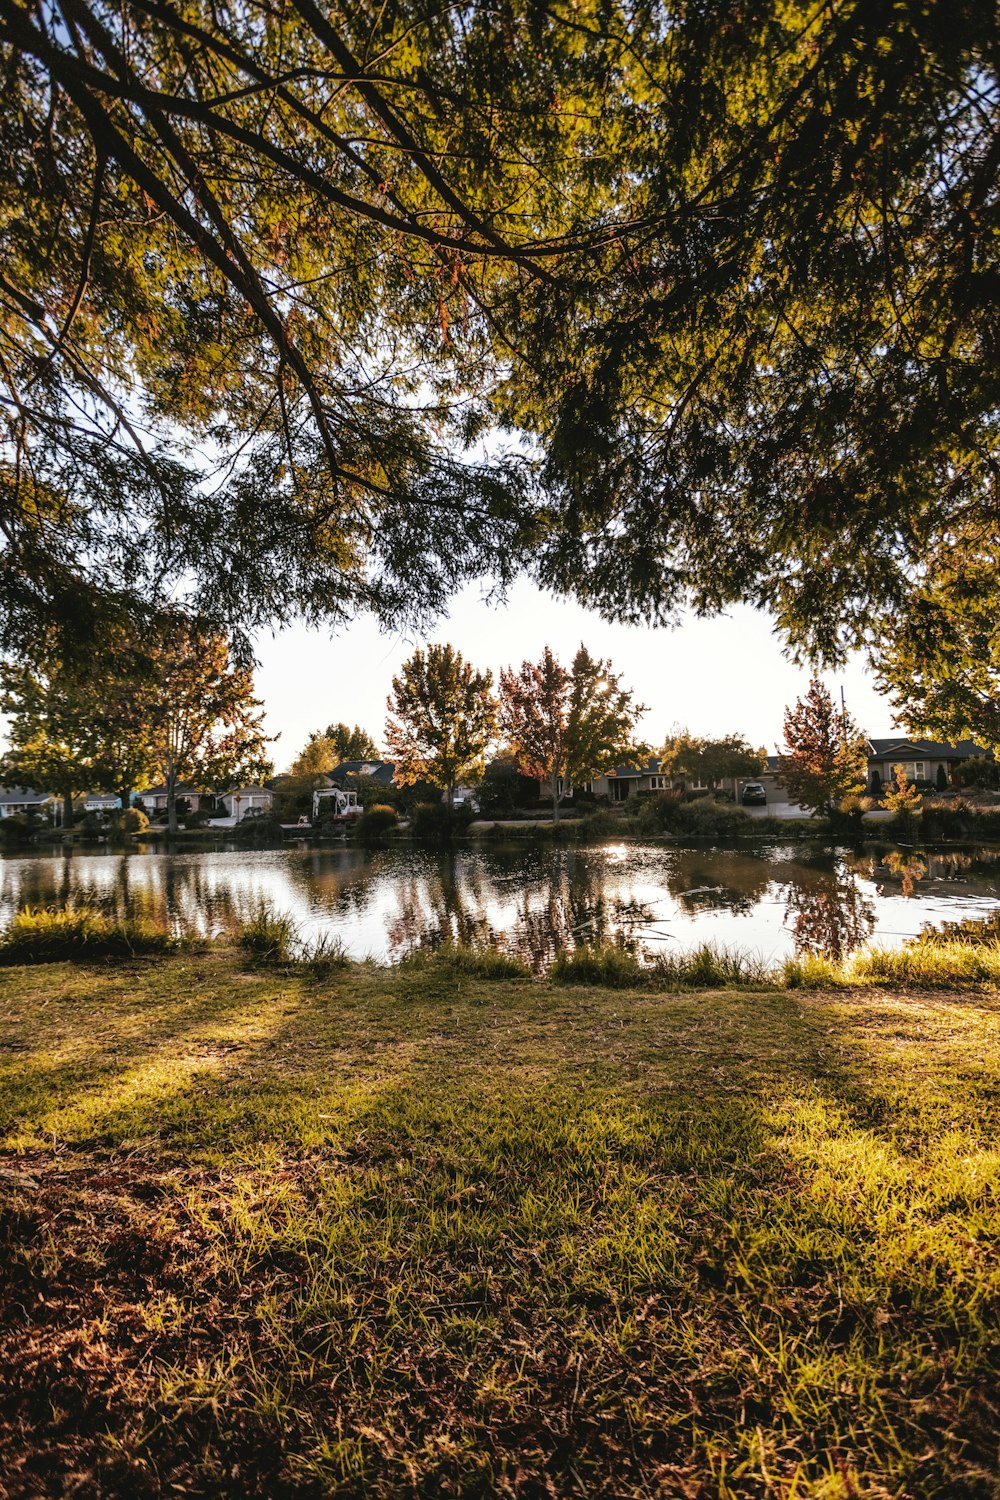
(772, 902)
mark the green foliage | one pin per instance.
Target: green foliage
(435, 823)
(826, 753)
(978, 772)
(604, 964)
(17, 830)
(711, 761)
(443, 717)
(38, 935)
(375, 823)
(270, 936)
(476, 961)
(700, 817)
(504, 790)
(351, 744)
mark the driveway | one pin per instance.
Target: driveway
(778, 810)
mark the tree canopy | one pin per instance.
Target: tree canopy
(711, 761)
(443, 716)
(727, 276)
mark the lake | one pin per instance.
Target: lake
(773, 902)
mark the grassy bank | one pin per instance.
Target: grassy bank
(419, 1232)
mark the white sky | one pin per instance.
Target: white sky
(720, 676)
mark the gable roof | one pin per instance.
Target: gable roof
(21, 796)
(899, 744)
(378, 770)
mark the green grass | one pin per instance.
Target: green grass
(40, 934)
(709, 966)
(927, 963)
(419, 1232)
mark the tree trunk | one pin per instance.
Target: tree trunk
(125, 797)
(171, 803)
(556, 799)
(67, 811)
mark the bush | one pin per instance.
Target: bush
(704, 817)
(198, 819)
(849, 813)
(978, 771)
(17, 830)
(132, 821)
(434, 823)
(606, 964)
(375, 823)
(51, 934)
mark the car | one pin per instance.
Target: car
(754, 795)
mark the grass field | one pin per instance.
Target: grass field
(417, 1232)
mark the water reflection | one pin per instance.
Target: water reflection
(383, 903)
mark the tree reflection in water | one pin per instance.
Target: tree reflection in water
(829, 914)
(694, 882)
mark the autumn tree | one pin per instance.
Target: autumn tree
(207, 725)
(711, 760)
(826, 753)
(442, 719)
(567, 726)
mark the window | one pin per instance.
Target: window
(659, 783)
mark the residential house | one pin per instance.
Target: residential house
(23, 799)
(247, 802)
(97, 802)
(154, 800)
(649, 778)
(930, 762)
(350, 772)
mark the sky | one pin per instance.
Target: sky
(721, 676)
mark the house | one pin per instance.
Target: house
(97, 802)
(350, 772)
(247, 802)
(649, 777)
(23, 799)
(929, 762)
(154, 799)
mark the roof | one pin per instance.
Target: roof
(247, 791)
(650, 768)
(21, 796)
(378, 770)
(183, 789)
(961, 750)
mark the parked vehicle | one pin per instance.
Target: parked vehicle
(754, 795)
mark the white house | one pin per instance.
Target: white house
(247, 802)
(22, 799)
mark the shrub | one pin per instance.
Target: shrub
(704, 817)
(50, 934)
(849, 813)
(326, 955)
(132, 821)
(978, 771)
(434, 823)
(16, 830)
(375, 823)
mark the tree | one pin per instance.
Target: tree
(902, 799)
(82, 721)
(939, 660)
(443, 717)
(566, 727)
(351, 744)
(711, 761)
(275, 233)
(826, 753)
(318, 756)
(207, 725)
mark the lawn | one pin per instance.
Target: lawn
(419, 1232)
